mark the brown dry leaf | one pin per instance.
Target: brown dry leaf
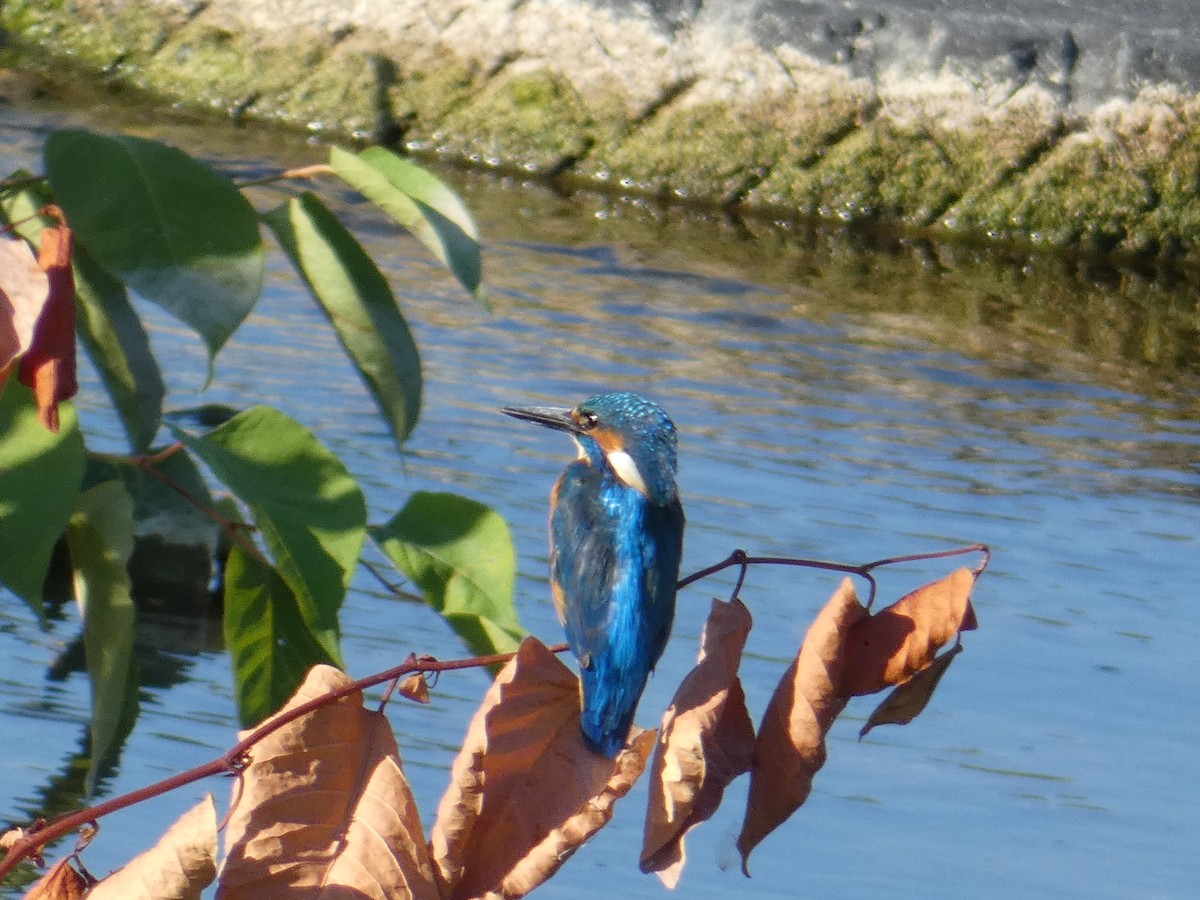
(62, 882)
(415, 688)
(179, 867)
(791, 740)
(908, 701)
(896, 643)
(325, 807)
(48, 366)
(706, 741)
(24, 288)
(525, 792)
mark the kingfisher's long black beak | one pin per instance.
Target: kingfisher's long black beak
(550, 416)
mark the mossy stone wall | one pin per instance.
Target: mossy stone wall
(1061, 134)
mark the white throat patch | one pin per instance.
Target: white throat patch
(622, 463)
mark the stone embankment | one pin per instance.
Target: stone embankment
(1059, 124)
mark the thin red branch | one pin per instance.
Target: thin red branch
(863, 570)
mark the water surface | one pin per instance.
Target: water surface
(837, 397)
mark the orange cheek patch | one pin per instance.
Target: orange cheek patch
(608, 441)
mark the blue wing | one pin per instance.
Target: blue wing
(614, 565)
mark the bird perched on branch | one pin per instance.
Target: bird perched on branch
(616, 540)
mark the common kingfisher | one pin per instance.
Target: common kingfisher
(616, 540)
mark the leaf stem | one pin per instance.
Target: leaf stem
(298, 174)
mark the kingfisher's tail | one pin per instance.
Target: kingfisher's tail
(609, 703)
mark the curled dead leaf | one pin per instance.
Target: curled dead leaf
(897, 642)
(62, 882)
(706, 741)
(24, 288)
(525, 791)
(415, 688)
(545, 858)
(179, 867)
(909, 700)
(325, 806)
(791, 739)
(48, 366)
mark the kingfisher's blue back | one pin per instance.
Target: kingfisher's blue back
(616, 542)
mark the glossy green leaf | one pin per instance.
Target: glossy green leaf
(100, 536)
(269, 643)
(461, 554)
(310, 511)
(108, 326)
(360, 305)
(40, 474)
(112, 333)
(422, 203)
(177, 232)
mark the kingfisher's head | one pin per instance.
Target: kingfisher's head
(630, 435)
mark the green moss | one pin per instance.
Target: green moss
(534, 120)
(81, 31)
(811, 130)
(704, 151)
(915, 172)
(427, 96)
(302, 83)
(338, 94)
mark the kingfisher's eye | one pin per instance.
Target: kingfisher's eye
(587, 421)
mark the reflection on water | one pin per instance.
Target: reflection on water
(835, 400)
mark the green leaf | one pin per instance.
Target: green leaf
(110, 330)
(100, 536)
(40, 474)
(178, 233)
(269, 643)
(359, 303)
(461, 554)
(421, 203)
(22, 208)
(112, 334)
(309, 509)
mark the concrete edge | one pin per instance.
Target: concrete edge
(611, 99)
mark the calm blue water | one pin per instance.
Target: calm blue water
(829, 405)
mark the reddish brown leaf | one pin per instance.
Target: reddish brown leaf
(908, 700)
(894, 644)
(791, 740)
(179, 867)
(525, 792)
(24, 288)
(325, 808)
(48, 366)
(706, 741)
(62, 882)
